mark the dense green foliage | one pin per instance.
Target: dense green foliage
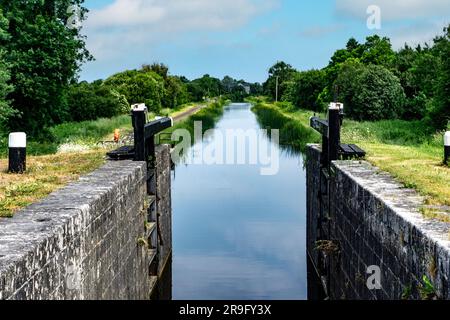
(370, 92)
(41, 53)
(238, 90)
(374, 81)
(139, 86)
(6, 110)
(304, 88)
(44, 55)
(92, 101)
(281, 73)
(154, 86)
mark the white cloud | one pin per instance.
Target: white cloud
(395, 9)
(415, 34)
(133, 22)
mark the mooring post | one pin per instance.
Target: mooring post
(17, 152)
(139, 119)
(334, 132)
(446, 147)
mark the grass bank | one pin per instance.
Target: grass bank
(409, 150)
(208, 116)
(73, 152)
(293, 133)
(83, 136)
(44, 175)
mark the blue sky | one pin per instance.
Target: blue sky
(243, 38)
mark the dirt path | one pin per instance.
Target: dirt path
(187, 113)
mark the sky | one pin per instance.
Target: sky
(243, 38)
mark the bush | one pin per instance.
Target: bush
(93, 101)
(440, 111)
(6, 111)
(175, 93)
(370, 92)
(45, 57)
(303, 91)
(139, 87)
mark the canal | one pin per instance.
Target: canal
(238, 234)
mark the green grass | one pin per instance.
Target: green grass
(90, 131)
(411, 151)
(44, 175)
(50, 167)
(87, 133)
(208, 116)
(292, 132)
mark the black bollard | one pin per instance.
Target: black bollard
(334, 132)
(139, 119)
(17, 152)
(446, 147)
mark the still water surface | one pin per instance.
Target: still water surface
(238, 234)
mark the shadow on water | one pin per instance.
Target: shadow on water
(238, 234)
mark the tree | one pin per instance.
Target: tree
(158, 68)
(345, 84)
(6, 111)
(228, 84)
(440, 112)
(377, 51)
(139, 87)
(284, 72)
(45, 55)
(370, 92)
(92, 101)
(204, 87)
(175, 93)
(305, 88)
(402, 68)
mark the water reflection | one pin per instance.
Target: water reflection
(237, 234)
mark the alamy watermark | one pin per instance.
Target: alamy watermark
(228, 147)
(374, 17)
(374, 280)
(73, 277)
(74, 20)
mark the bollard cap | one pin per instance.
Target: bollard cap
(336, 106)
(138, 107)
(447, 139)
(17, 140)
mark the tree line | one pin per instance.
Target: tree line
(41, 54)
(152, 85)
(374, 81)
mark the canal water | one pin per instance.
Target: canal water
(236, 233)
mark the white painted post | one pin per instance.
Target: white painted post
(446, 147)
(17, 152)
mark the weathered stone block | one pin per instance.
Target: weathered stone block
(377, 222)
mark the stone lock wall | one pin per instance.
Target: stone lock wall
(361, 217)
(82, 242)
